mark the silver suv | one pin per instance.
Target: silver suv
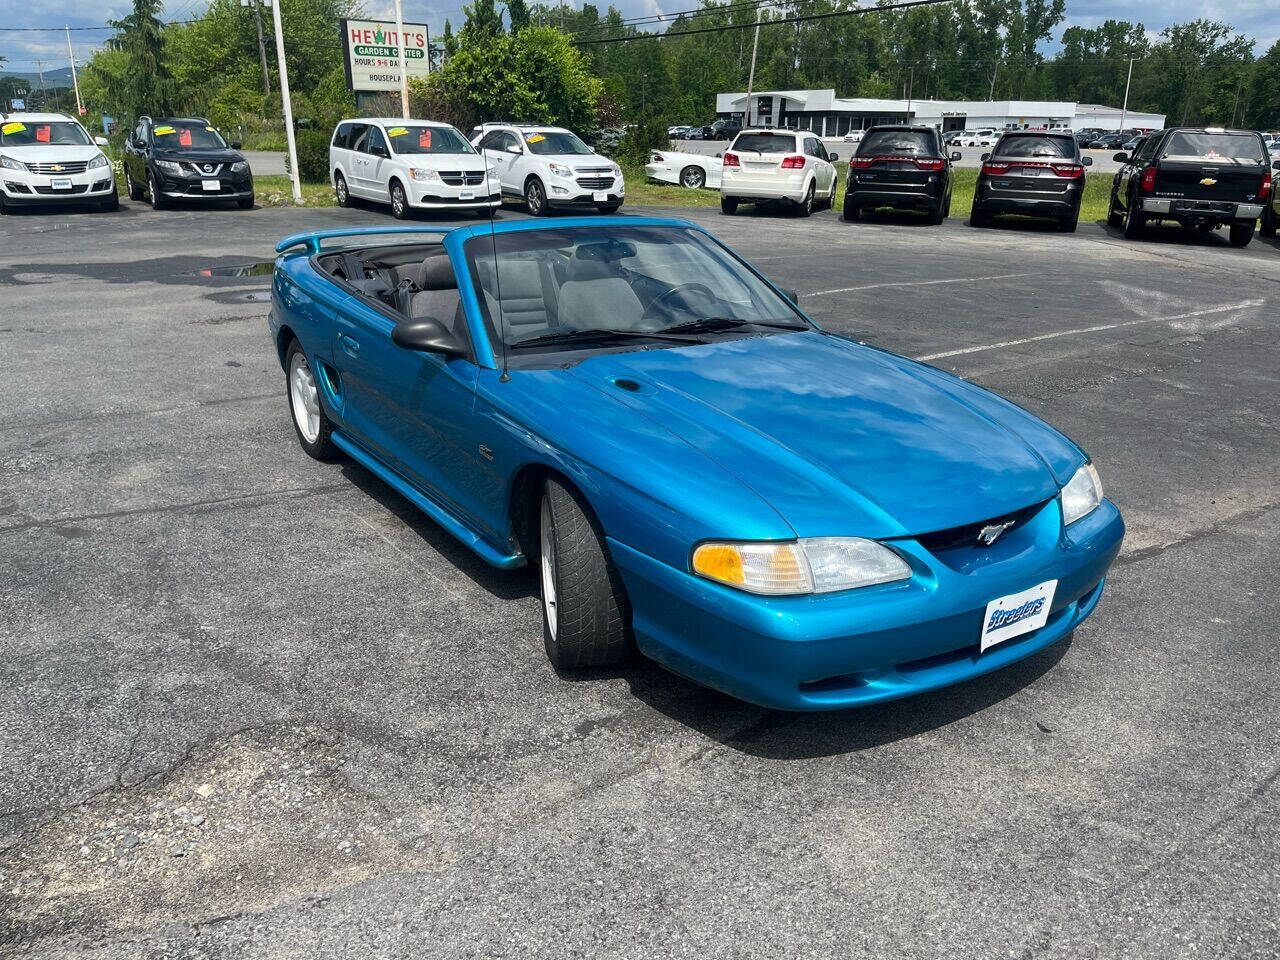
(549, 167)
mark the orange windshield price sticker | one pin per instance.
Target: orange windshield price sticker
(424, 139)
(42, 133)
(184, 137)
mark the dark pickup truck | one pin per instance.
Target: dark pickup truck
(1201, 177)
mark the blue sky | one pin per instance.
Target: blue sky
(1257, 18)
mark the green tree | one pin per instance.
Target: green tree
(1263, 111)
(449, 40)
(147, 86)
(1196, 72)
(518, 14)
(483, 22)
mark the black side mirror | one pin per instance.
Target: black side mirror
(1121, 157)
(235, 144)
(956, 155)
(1275, 164)
(426, 335)
(1087, 161)
(985, 156)
(790, 295)
(833, 157)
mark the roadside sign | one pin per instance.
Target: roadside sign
(373, 53)
(17, 103)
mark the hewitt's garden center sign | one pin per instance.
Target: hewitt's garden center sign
(373, 53)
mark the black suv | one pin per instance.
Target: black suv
(184, 158)
(722, 130)
(904, 167)
(1033, 172)
(1202, 177)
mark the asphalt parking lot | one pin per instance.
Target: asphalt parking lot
(255, 706)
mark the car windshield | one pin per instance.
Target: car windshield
(579, 288)
(765, 142)
(1022, 145)
(555, 143)
(1239, 147)
(420, 139)
(180, 135)
(896, 143)
(22, 133)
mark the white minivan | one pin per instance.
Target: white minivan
(410, 164)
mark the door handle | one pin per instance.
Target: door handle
(350, 345)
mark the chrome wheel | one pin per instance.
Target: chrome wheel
(548, 550)
(397, 200)
(340, 188)
(533, 197)
(304, 399)
(692, 177)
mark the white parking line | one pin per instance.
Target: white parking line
(1243, 304)
(916, 283)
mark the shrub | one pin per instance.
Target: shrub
(313, 155)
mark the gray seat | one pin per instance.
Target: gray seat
(595, 295)
(437, 294)
(527, 294)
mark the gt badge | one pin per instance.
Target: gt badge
(993, 532)
(1208, 182)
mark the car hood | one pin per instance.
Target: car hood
(843, 439)
(52, 153)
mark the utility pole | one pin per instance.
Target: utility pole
(991, 94)
(262, 47)
(911, 82)
(404, 75)
(287, 104)
(751, 76)
(1124, 110)
(44, 96)
(80, 111)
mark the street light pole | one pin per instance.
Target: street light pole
(1124, 110)
(404, 74)
(751, 76)
(74, 81)
(287, 104)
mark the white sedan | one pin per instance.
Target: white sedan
(692, 170)
(980, 138)
(853, 136)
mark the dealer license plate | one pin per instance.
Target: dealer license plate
(600, 196)
(1018, 613)
(61, 183)
(211, 186)
(466, 194)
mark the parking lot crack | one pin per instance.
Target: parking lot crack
(1222, 523)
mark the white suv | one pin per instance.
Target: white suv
(778, 165)
(549, 167)
(49, 158)
(410, 164)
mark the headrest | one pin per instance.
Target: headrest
(436, 273)
(590, 268)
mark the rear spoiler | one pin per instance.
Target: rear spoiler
(311, 239)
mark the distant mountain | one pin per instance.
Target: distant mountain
(60, 77)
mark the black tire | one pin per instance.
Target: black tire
(805, 207)
(111, 204)
(399, 201)
(934, 215)
(609, 208)
(1135, 223)
(321, 446)
(1268, 228)
(728, 206)
(1242, 232)
(1115, 218)
(979, 218)
(157, 202)
(245, 203)
(946, 207)
(341, 192)
(852, 214)
(4, 209)
(535, 197)
(135, 190)
(585, 614)
(1068, 223)
(695, 178)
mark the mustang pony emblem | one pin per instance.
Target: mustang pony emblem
(1208, 182)
(993, 532)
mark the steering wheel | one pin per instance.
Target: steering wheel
(658, 305)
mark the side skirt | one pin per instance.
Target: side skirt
(480, 546)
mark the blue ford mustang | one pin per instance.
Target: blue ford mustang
(697, 470)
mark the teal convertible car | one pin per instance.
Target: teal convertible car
(698, 471)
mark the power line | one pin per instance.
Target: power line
(698, 12)
(903, 5)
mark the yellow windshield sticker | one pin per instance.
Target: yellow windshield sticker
(13, 127)
(164, 131)
(397, 131)
(535, 138)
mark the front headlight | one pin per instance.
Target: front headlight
(170, 166)
(240, 166)
(419, 174)
(98, 161)
(617, 171)
(560, 169)
(11, 164)
(817, 565)
(1081, 495)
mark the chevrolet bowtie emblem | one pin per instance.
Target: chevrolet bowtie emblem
(57, 168)
(1208, 182)
(992, 532)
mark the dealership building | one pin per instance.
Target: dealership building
(827, 115)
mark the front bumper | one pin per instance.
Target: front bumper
(27, 188)
(662, 172)
(569, 193)
(875, 644)
(192, 188)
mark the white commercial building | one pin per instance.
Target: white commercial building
(822, 112)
